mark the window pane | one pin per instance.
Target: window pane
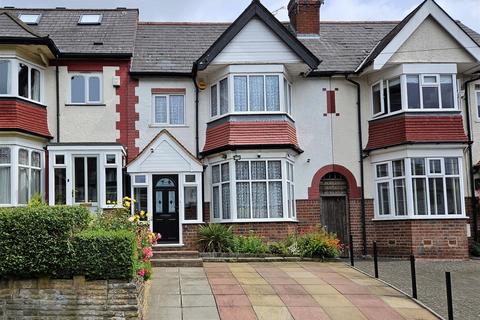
(77, 84)
(430, 98)
(285, 94)
(242, 172)
(177, 109)
(141, 179)
(418, 166)
(395, 95)
(35, 182)
(258, 170)
(274, 170)
(23, 81)
(398, 168)
(60, 186)
(111, 184)
(446, 86)
(4, 76)
(190, 178)
(94, 89)
(5, 185)
(23, 184)
(451, 166)
(172, 201)
(79, 179)
(216, 174)
(226, 201)
(435, 166)
(275, 199)
(259, 200)
(4, 155)
(436, 193)
(140, 196)
(240, 94)
(272, 87)
(289, 98)
(385, 97)
(382, 170)
(413, 92)
(454, 204)
(92, 179)
(256, 93)
(59, 159)
(376, 99)
(23, 157)
(383, 198)
(213, 101)
(243, 200)
(35, 84)
(216, 202)
(35, 159)
(224, 96)
(419, 196)
(225, 172)
(161, 109)
(430, 79)
(400, 197)
(478, 104)
(111, 159)
(190, 201)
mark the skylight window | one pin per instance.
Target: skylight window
(29, 18)
(90, 19)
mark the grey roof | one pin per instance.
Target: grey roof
(173, 47)
(114, 36)
(12, 27)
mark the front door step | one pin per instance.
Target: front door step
(176, 259)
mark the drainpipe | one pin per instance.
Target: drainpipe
(470, 159)
(57, 99)
(362, 173)
(194, 78)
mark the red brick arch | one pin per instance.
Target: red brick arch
(314, 189)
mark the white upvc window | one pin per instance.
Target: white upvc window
(414, 92)
(253, 190)
(90, 19)
(140, 193)
(168, 109)
(5, 175)
(477, 99)
(112, 173)
(192, 198)
(251, 93)
(30, 18)
(21, 78)
(86, 88)
(419, 187)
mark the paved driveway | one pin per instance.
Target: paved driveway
(275, 291)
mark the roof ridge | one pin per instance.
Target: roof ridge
(182, 23)
(22, 25)
(69, 9)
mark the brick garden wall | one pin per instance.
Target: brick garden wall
(71, 299)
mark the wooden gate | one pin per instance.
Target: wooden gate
(333, 215)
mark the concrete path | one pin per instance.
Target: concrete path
(275, 291)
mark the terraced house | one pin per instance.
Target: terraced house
(367, 128)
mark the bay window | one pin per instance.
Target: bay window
(5, 175)
(253, 190)
(20, 78)
(169, 109)
(434, 185)
(251, 93)
(477, 96)
(414, 92)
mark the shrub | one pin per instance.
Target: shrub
(105, 254)
(476, 249)
(248, 244)
(37, 201)
(320, 244)
(35, 241)
(287, 247)
(215, 237)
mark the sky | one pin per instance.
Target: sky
(467, 11)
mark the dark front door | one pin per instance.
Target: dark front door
(165, 207)
(334, 216)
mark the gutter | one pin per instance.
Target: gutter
(470, 159)
(362, 173)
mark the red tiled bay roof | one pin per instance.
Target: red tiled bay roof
(24, 116)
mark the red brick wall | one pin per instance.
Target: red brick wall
(305, 15)
(25, 116)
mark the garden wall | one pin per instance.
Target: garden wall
(73, 299)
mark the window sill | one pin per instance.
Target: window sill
(9, 96)
(446, 217)
(193, 222)
(421, 111)
(253, 113)
(255, 221)
(85, 105)
(154, 125)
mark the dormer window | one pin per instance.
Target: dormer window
(30, 19)
(90, 19)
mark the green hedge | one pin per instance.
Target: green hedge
(57, 242)
(105, 254)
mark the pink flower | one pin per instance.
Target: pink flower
(147, 253)
(141, 272)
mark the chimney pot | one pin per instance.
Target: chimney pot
(305, 16)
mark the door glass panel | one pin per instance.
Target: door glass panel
(60, 186)
(92, 179)
(171, 202)
(190, 200)
(79, 180)
(159, 204)
(165, 182)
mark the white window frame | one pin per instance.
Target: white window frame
(233, 191)
(98, 21)
(409, 176)
(106, 166)
(8, 165)
(86, 76)
(476, 91)
(14, 68)
(168, 122)
(24, 18)
(382, 104)
(198, 185)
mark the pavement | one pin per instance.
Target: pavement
(275, 291)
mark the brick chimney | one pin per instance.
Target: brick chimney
(305, 16)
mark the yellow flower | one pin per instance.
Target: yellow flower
(142, 213)
(131, 219)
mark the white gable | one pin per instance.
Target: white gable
(256, 43)
(164, 155)
(428, 9)
(431, 43)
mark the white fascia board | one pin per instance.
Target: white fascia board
(430, 8)
(85, 148)
(256, 68)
